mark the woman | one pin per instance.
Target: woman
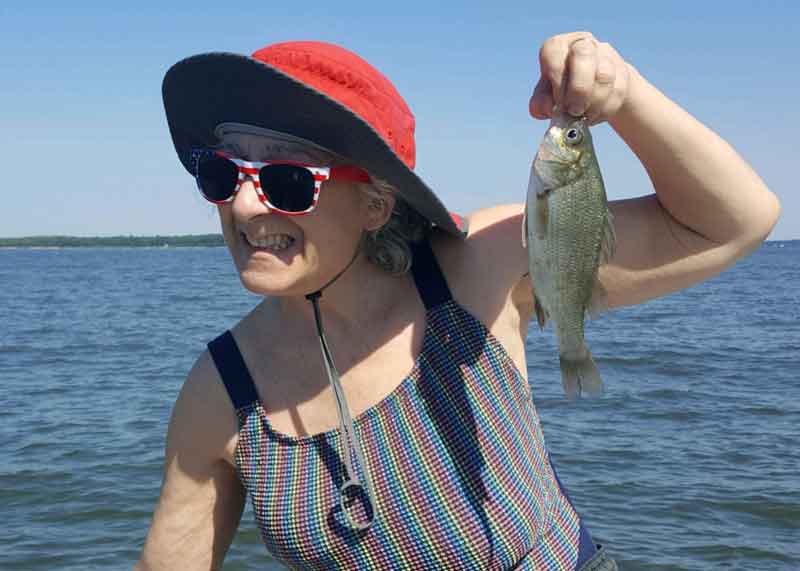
(309, 151)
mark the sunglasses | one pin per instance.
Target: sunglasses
(286, 187)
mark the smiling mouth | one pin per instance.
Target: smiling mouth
(272, 243)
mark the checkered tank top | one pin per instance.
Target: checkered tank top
(456, 455)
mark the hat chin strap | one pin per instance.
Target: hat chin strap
(352, 487)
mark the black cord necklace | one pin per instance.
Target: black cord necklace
(352, 487)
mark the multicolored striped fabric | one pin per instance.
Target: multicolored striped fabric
(456, 455)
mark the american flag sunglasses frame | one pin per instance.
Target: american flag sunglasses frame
(251, 170)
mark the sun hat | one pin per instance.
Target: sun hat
(314, 91)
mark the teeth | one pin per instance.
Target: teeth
(276, 242)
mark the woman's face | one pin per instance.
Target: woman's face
(282, 255)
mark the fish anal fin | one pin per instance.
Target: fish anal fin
(598, 302)
(541, 314)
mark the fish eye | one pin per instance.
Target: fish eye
(573, 136)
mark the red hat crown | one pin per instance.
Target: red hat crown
(354, 83)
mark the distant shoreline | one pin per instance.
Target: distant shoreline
(49, 242)
(157, 241)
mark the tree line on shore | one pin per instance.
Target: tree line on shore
(113, 241)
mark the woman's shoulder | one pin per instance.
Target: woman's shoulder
(203, 396)
(486, 273)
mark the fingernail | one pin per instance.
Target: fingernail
(574, 109)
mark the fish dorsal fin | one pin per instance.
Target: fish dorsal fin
(598, 302)
(608, 243)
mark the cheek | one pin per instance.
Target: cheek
(228, 226)
(225, 214)
(329, 245)
(325, 243)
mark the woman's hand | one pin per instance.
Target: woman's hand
(581, 75)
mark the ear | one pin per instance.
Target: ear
(376, 210)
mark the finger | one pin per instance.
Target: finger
(552, 62)
(619, 90)
(581, 72)
(541, 103)
(604, 79)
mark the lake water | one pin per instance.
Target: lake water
(690, 461)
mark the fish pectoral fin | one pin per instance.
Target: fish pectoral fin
(542, 215)
(541, 314)
(608, 242)
(598, 302)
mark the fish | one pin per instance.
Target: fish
(568, 231)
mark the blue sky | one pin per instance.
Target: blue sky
(85, 148)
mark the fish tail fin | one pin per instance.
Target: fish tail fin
(580, 376)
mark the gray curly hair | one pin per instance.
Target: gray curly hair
(388, 247)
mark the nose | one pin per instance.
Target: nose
(247, 200)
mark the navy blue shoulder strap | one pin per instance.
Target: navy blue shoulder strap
(428, 275)
(233, 370)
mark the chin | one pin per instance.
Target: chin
(267, 284)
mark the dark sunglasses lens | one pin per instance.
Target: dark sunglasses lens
(216, 176)
(288, 187)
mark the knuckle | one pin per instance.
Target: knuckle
(582, 76)
(580, 90)
(606, 73)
